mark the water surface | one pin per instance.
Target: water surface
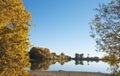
(84, 66)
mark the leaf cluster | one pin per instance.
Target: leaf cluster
(105, 29)
(14, 28)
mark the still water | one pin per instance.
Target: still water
(87, 67)
(84, 66)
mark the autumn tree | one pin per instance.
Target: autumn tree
(105, 28)
(39, 53)
(62, 56)
(14, 28)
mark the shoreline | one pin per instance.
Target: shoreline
(65, 73)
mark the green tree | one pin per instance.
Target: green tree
(81, 56)
(76, 55)
(105, 28)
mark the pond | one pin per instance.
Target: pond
(83, 66)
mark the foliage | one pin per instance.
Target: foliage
(40, 65)
(113, 62)
(14, 28)
(110, 58)
(44, 64)
(62, 56)
(105, 28)
(79, 56)
(39, 53)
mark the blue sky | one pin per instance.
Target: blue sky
(63, 25)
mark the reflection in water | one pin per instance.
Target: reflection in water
(41, 65)
(41, 59)
(114, 66)
(73, 65)
(44, 65)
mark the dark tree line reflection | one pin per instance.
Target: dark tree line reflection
(44, 65)
(41, 58)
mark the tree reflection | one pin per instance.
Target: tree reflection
(44, 65)
(41, 58)
(114, 64)
(79, 62)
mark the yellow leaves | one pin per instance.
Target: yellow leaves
(111, 59)
(13, 38)
(13, 11)
(106, 28)
(1, 25)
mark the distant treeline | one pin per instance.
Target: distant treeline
(37, 53)
(42, 58)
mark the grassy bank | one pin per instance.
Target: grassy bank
(64, 73)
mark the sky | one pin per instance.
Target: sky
(63, 25)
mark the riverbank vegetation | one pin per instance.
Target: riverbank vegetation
(105, 29)
(42, 58)
(37, 53)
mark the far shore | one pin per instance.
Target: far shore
(65, 73)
